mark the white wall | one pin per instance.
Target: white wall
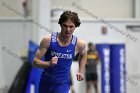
(44, 17)
(15, 34)
(109, 8)
(16, 5)
(2, 80)
(102, 8)
(14, 37)
(133, 64)
(137, 8)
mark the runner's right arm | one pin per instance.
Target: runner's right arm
(44, 45)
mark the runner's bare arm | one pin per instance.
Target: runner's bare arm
(44, 45)
(83, 55)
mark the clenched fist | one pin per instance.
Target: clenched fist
(80, 76)
(54, 61)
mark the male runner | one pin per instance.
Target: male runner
(59, 49)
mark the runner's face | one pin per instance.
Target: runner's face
(68, 28)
